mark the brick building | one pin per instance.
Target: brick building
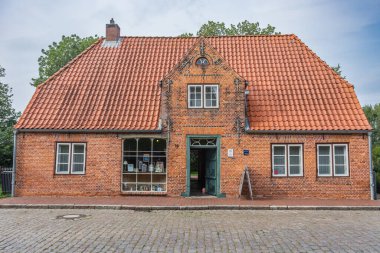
(185, 116)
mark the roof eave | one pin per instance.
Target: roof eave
(29, 130)
(307, 131)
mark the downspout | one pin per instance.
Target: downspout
(14, 162)
(371, 178)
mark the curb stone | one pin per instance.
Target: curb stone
(201, 207)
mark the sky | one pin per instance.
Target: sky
(341, 31)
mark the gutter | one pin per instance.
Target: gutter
(371, 176)
(307, 131)
(86, 131)
(14, 161)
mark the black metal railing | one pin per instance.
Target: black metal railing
(6, 180)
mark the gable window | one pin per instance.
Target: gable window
(203, 96)
(211, 96)
(287, 160)
(70, 158)
(332, 160)
(195, 96)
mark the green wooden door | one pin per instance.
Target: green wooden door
(211, 167)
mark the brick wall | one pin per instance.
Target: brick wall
(36, 165)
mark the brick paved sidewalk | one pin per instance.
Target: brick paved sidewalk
(183, 203)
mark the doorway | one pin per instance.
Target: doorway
(202, 167)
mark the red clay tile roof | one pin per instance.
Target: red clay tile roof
(117, 88)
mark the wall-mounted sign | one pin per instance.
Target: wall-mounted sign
(230, 152)
(246, 152)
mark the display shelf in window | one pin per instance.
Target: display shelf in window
(146, 159)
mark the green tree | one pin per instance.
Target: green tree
(212, 28)
(59, 54)
(338, 70)
(373, 116)
(8, 117)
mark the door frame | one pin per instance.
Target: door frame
(188, 174)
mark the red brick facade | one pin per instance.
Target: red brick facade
(36, 151)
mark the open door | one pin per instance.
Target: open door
(211, 167)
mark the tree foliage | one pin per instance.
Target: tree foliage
(373, 116)
(212, 28)
(338, 70)
(59, 54)
(8, 117)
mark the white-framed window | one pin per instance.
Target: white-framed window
(203, 96)
(324, 160)
(287, 160)
(332, 160)
(195, 94)
(295, 160)
(211, 96)
(70, 158)
(63, 158)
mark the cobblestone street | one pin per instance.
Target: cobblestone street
(32, 230)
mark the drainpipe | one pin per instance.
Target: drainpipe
(371, 178)
(14, 162)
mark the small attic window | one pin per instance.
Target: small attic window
(202, 62)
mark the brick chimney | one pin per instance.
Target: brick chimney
(112, 31)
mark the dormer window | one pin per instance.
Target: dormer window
(202, 62)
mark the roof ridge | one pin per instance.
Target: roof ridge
(59, 71)
(221, 36)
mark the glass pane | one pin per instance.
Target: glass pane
(63, 158)
(192, 103)
(324, 160)
(208, 103)
(339, 160)
(339, 150)
(324, 170)
(199, 96)
(208, 89)
(294, 150)
(78, 148)
(279, 160)
(199, 89)
(78, 167)
(130, 145)
(208, 96)
(78, 158)
(63, 168)
(279, 150)
(340, 169)
(294, 160)
(145, 144)
(213, 96)
(63, 148)
(192, 96)
(214, 103)
(324, 150)
(159, 145)
(279, 170)
(192, 89)
(198, 103)
(294, 170)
